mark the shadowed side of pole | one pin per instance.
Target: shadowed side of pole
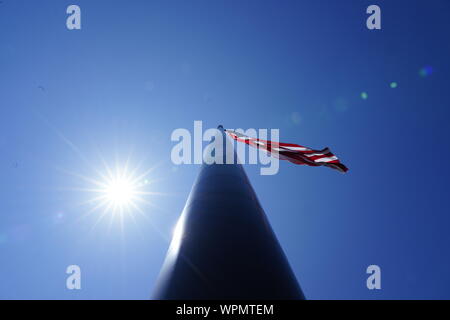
(223, 246)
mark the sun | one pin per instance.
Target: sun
(120, 192)
(117, 188)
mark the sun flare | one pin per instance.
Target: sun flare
(120, 192)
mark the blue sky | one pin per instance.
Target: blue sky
(117, 88)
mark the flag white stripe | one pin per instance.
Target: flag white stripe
(295, 148)
(313, 154)
(326, 159)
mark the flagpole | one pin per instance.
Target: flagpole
(223, 246)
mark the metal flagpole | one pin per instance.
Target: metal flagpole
(223, 246)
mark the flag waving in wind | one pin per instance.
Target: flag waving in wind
(292, 152)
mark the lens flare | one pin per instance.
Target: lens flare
(364, 95)
(426, 71)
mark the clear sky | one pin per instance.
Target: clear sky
(73, 101)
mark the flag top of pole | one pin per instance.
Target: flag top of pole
(223, 246)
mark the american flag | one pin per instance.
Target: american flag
(292, 152)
